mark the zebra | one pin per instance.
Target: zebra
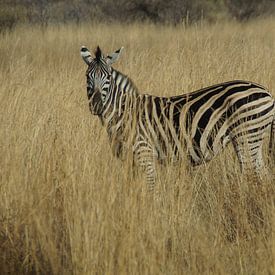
(198, 124)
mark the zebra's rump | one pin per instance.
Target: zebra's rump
(213, 116)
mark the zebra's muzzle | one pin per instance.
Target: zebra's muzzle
(95, 104)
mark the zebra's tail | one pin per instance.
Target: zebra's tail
(272, 140)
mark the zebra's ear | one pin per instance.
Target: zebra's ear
(86, 55)
(111, 58)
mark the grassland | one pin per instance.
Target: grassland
(68, 207)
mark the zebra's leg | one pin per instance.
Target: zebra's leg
(145, 156)
(249, 153)
(272, 141)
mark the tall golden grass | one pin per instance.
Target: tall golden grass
(67, 206)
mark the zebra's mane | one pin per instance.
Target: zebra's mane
(118, 75)
(98, 54)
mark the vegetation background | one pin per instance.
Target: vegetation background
(44, 12)
(67, 206)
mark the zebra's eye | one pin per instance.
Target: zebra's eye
(90, 83)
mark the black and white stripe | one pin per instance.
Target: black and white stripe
(198, 124)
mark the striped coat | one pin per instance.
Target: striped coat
(197, 125)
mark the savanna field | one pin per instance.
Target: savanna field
(67, 206)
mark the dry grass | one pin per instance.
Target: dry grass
(68, 207)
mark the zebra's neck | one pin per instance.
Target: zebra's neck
(123, 82)
(123, 96)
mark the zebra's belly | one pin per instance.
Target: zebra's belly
(201, 153)
(190, 150)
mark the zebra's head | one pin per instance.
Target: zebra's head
(100, 82)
